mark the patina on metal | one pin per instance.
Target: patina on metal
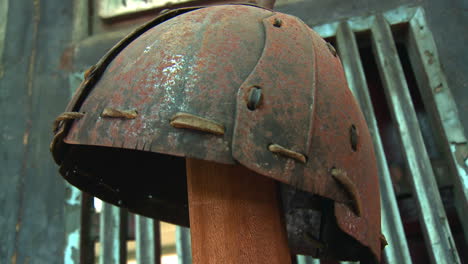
(193, 69)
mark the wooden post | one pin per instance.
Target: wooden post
(234, 216)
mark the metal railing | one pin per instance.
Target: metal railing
(438, 102)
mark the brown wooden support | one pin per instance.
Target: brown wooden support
(234, 215)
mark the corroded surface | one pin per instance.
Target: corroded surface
(159, 77)
(206, 63)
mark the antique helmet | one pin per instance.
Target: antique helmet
(233, 84)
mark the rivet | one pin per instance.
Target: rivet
(331, 48)
(255, 97)
(278, 22)
(353, 137)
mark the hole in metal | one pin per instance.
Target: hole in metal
(353, 137)
(255, 98)
(278, 22)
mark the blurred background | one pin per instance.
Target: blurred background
(405, 61)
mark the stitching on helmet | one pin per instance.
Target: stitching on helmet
(66, 116)
(189, 121)
(277, 149)
(115, 113)
(342, 177)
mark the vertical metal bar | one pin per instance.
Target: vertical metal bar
(183, 245)
(157, 242)
(80, 20)
(397, 250)
(113, 245)
(73, 206)
(441, 106)
(307, 260)
(87, 238)
(75, 211)
(145, 247)
(123, 234)
(3, 26)
(72, 212)
(431, 210)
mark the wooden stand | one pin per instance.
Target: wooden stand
(234, 216)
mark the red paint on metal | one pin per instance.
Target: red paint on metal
(204, 63)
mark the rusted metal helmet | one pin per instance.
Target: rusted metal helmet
(233, 84)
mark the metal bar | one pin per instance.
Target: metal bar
(431, 210)
(326, 30)
(145, 246)
(183, 245)
(72, 212)
(115, 8)
(113, 244)
(397, 250)
(399, 15)
(80, 20)
(3, 27)
(307, 260)
(402, 14)
(440, 104)
(87, 239)
(157, 242)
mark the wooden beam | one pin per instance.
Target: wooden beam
(234, 215)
